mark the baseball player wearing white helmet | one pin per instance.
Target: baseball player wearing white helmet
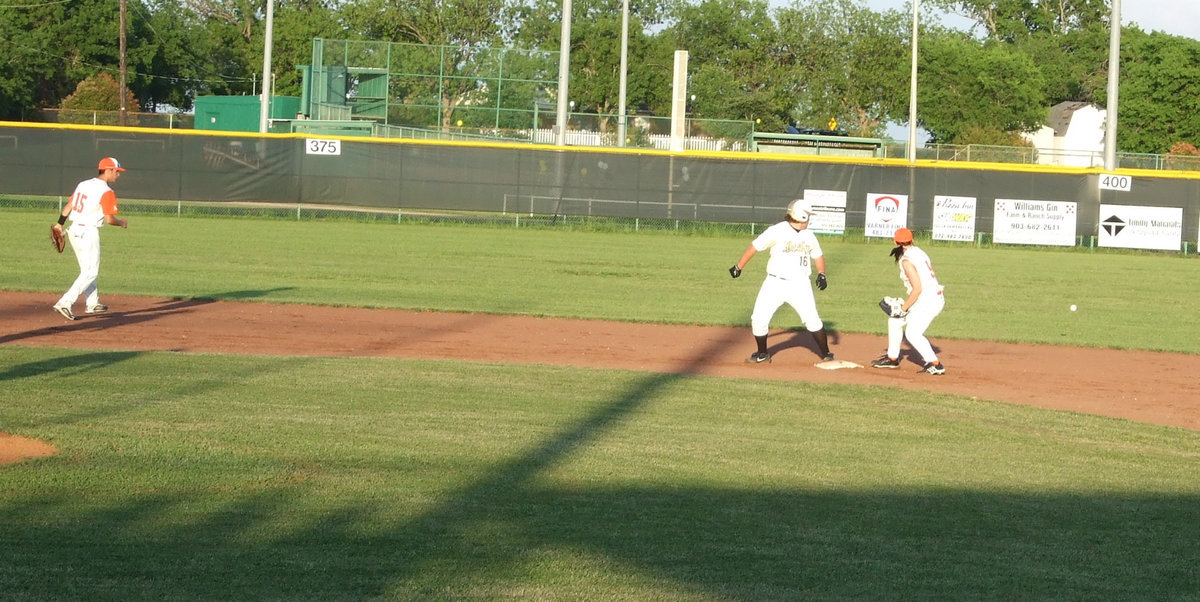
(916, 312)
(92, 205)
(794, 253)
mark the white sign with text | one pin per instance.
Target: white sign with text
(1027, 222)
(1130, 227)
(954, 218)
(885, 214)
(829, 211)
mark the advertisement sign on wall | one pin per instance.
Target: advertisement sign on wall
(884, 214)
(1131, 227)
(954, 218)
(1026, 222)
(829, 207)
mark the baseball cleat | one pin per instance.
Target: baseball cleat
(885, 362)
(759, 357)
(97, 309)
(932, 368)
(64, 311)
(828, 357)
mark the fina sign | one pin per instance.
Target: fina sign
(1131, 227)
(885, 214)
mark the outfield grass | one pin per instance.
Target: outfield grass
(1125, 300)
(206, 477)
(209, 477)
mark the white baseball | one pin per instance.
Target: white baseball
(1073, 308)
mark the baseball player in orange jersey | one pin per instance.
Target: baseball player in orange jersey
(923, 303)
(92, 205)
(794, 253)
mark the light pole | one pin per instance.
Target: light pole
(122, 116)
(265, 106)
(564, 70)
(1114, 71)
(622, 117)
(911, 147)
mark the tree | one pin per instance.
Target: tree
(595, 53)
(966, 83)
(846, 62)
(1159, 102)
(458, 33)
(99, 92)
(1009, 20)
(732, 59)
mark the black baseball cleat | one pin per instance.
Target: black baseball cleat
(828, 357)
(885, 362)
(759, 357)
(932, 368)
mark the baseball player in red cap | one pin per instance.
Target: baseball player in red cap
(794, 253)
(916, 312)
(92, 205)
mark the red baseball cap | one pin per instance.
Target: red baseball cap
(903, 236)
(111, 163)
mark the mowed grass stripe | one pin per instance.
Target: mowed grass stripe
(222, 477)
(1126, 300)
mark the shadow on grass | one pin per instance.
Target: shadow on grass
(717, 543)
(509, 535)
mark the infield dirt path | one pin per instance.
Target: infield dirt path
(1157, 388)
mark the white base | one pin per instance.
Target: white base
(836, 365)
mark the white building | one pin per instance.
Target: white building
(1074, 136)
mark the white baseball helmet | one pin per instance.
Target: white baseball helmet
(800, 210)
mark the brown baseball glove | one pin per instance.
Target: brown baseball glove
(58, 238)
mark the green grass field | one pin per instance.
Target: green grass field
(252, 478)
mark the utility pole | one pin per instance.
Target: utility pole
(1114, 86)
(121, 92)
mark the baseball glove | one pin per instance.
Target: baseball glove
(58, 238)
(892, 307)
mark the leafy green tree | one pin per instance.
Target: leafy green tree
(964, 83)
(99, 92)
(30, 69)
(297, 22)
(732, 58)
(1009, 20)
(844, 61)
(596, 54)
(1159, 102)
(462, 31)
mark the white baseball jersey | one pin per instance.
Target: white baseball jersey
(923, 311)
(788, 271)
(792, 251)
(91, 201)
(929, 282)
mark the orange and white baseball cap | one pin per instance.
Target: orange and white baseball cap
(903, 236)
(111, 163)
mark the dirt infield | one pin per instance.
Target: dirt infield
(1157, 388)
(16, 449)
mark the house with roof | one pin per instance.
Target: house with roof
(1073, 135)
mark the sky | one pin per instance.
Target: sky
(1175, 17)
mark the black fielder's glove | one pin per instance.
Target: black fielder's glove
(735, 271)
(822, 282)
